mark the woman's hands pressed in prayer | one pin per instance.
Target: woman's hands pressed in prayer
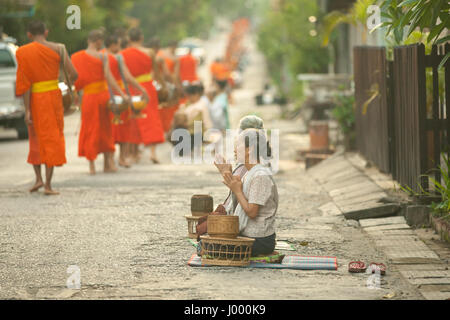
(234, 183)
(222, 165)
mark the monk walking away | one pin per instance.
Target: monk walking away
(187, 68)
(96, 81)
(141, 62)
(37, 81)
(121, 132)
(168, 63)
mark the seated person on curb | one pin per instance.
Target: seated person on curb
(247, 122)
(195, 109)
(256, 194)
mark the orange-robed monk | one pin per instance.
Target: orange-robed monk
(141, 61)
(121, 132)
(37, 81)
(168, 63)
(187, 68)
(94, 78)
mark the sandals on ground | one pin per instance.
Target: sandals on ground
(359, 267)
(356, 267)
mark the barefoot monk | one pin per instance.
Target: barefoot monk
(187, 67)
(169, 64)
(37, 81)
(141, 62)
(121, 132)
(94, 78)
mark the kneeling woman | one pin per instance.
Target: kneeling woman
(255, 198)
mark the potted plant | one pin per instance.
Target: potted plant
(344, 113)
(440, 214)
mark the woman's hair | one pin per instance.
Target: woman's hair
(222, 84)
(192, 89)
(249, 122)
(256, 141)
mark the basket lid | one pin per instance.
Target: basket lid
(238, 239)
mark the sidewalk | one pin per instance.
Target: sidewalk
(363, 194)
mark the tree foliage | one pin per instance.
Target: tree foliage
(287, 38)
(166, 19)
(357, 15)
(403, 18)
(174, 19)
(94, 14)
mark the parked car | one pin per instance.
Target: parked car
(12, 109)
(196, 45)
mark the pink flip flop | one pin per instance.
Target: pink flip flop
(377, 266)
(356, 267)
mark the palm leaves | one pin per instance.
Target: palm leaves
(357, 15)
(402, 18)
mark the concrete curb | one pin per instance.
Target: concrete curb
(355, 194)
(358, 195)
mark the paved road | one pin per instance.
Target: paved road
(127, 232)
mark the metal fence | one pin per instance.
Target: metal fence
(406, 127)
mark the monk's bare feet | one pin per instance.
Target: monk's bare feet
(124, 163)
(110, 165)
(135, 159)
(92, 168)
(154, 160)
(110, 169)
(37, 186)
(49, 192)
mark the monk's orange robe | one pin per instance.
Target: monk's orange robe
(38, 70)
(188, 68)
(95, 133)
(170, 63)
(167, 114)
(219, 71)
(147, 130)
(120, 132)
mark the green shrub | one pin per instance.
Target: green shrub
(344, 113)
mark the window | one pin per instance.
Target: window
(6, 59)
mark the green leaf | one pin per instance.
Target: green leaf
(436, 10)
(435, 32)
(406, 2)
(405, 19)
(380, 25)
(444, 60)
(398, 34)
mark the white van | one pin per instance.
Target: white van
(12, 109)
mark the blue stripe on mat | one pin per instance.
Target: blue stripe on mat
(289, 262)
(280, 245)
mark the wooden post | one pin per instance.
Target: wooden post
(422, 113)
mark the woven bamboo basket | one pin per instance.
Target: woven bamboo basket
(223, 226)
(192, 224)
(201, 204)
(226, 252)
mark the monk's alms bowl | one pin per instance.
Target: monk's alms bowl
(67, 98)
(117, 105)
(139, 103)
